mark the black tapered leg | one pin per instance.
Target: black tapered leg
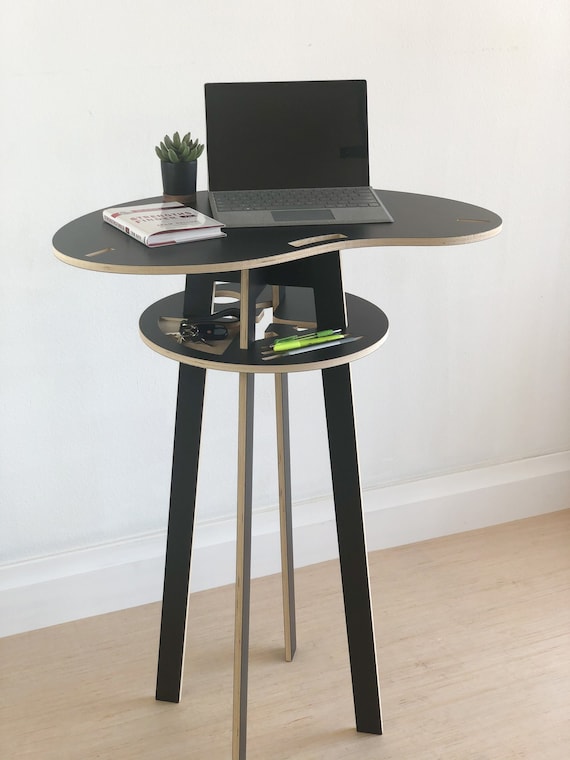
(198, 298)
(191, 386)
(330, 308)
(323, 274)
(352, 547)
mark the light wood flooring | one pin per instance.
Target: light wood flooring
(473, 635)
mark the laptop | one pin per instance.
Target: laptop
(290, 153)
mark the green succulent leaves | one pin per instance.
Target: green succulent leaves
(176, 149)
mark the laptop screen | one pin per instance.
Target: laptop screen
(263, 135)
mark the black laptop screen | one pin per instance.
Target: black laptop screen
(262, 135)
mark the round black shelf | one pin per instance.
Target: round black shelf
(366, 322)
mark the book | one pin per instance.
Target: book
(158, 224)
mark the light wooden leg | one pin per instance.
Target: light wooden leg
(285, 516)
(243, 565)
(243, 539)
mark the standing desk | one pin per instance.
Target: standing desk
(295, 271)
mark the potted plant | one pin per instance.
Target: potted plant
(178, 163)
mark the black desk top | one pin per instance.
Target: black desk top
(90, 243)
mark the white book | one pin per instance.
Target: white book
(158, 224)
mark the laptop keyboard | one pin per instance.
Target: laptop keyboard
(301, 198)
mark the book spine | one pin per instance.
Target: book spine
(115, 222)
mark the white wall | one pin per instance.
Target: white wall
(469, 101)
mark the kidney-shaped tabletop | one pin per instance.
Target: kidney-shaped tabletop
(419, 220)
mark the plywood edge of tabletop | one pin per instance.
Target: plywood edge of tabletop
(294, 254)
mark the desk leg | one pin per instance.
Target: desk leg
(243, 564)
(352, 547)
(191, 386)
(285, 516)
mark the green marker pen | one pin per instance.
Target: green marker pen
(314, 340)
(303, 336)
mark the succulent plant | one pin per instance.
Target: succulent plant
(176, 149)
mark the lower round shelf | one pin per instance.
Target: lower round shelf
(367, 324)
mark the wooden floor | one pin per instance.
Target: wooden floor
(473, 635)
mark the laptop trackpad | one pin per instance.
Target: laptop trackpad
(307, 215)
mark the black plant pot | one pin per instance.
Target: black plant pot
(179, 180)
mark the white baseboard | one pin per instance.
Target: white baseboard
(70, 586)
